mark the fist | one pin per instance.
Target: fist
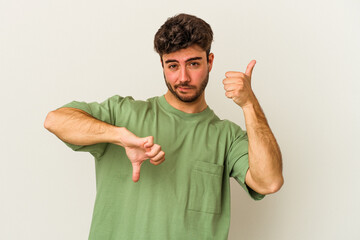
(238, 86)
(139, 150)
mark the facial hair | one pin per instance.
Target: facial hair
(192, 98)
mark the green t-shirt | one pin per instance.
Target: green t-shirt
(185, 197)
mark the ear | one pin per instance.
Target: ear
(211, 60)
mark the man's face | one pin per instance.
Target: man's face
(186, 72)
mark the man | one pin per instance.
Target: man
(188, 195)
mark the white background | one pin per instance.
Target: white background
(306, 79)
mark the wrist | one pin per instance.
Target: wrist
(254, 114)
(251, 105)
(120, 136)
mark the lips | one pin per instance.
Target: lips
(184, 88)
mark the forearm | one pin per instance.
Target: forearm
(265, 161)
(77, 127)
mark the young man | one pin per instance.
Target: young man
(188, 195)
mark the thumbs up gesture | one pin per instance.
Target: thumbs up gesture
(238, 86)
(139, 150)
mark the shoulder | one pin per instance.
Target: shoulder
(229, 132)
(227, 125)
(129, 100)
(129, 105)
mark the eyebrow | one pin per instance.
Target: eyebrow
(188, 60)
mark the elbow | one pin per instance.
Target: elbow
(270, 186)
(49, 120)
(275, 185)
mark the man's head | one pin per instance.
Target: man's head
(184, 43)
(182, 31)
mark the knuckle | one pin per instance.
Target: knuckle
(240, 80)
(156, 162)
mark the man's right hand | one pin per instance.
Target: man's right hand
(139, 150)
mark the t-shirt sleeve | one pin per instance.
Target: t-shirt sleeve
(238, 160)
(103, 111)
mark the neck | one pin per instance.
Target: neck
(197, 106)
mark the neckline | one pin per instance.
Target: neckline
(206, 113)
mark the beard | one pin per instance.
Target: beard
(191, 98)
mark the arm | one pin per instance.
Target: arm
(265, 162)
(80, 128)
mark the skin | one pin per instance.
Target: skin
(265, 160)
(78, 127)
(186, 73)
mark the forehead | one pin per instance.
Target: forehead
(184, 54)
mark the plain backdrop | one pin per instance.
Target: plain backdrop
(306, 79)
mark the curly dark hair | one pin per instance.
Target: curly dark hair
(182, 31)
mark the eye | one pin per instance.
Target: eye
(172, 66)
(194, 64)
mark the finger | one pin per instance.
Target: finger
(232, 87)
(229, 87)
(250, 68)
(149, 142)
(229, 94)
(233, 80)
(136, 171)
(158, 162)
(233, 74)
(158, 157)
(154, 151)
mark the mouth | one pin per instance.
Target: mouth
(184, 88)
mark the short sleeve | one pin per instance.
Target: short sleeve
(238, 161)
(103, 111)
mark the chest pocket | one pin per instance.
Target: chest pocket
(205, 188)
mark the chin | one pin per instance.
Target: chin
(191, 98)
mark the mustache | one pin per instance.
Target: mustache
(184, 85)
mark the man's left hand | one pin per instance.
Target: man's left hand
(238, 86)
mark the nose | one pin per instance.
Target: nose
(184, 76)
